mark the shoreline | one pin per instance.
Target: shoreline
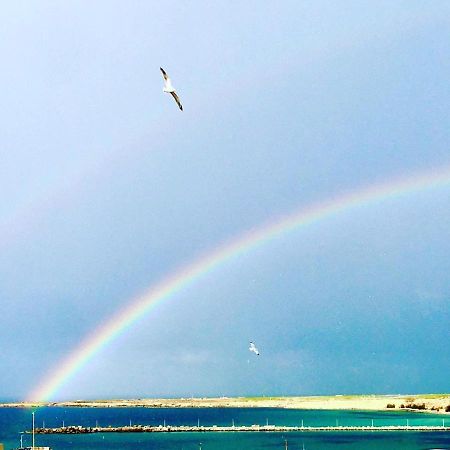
(427, 403)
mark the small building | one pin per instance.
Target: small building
(33, 448)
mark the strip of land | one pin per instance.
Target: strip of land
(434, 403)
(238, 429)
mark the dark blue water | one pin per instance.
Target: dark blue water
(13, 421)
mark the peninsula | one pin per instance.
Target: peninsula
(435, 403)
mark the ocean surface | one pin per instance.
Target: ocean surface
(13, 421)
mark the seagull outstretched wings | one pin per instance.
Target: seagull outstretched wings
(253, 348)
(170, 89)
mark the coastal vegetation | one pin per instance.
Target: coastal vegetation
(414, 406)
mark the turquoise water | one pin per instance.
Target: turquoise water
(13, 421)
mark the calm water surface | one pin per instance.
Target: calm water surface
(13, 421)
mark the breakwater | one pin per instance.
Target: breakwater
(77, 429)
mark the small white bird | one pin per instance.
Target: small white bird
(170, 89)
(253, 348)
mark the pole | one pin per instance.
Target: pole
(267, 421)
(302, 423)
(198, 422)
(286, 444)
(33, 431)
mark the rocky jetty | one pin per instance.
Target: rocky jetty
(77, 429)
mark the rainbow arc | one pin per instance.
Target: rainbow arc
(139, 307)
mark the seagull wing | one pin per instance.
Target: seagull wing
(166, 77)
(253, 348)
(177, 99)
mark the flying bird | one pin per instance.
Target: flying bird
(253, 348)
(170, 89)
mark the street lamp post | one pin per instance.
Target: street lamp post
(32, 445)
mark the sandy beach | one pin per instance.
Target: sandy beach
(435, 403)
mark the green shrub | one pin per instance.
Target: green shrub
(415, 406)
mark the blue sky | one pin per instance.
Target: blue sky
(105, 188)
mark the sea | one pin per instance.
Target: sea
(14, 421)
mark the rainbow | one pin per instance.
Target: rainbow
(168, 287)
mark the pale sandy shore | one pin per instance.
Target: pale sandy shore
(434, 403)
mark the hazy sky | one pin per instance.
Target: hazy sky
(106, 187)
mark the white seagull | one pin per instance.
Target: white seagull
(253, 348)
(170, 89)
